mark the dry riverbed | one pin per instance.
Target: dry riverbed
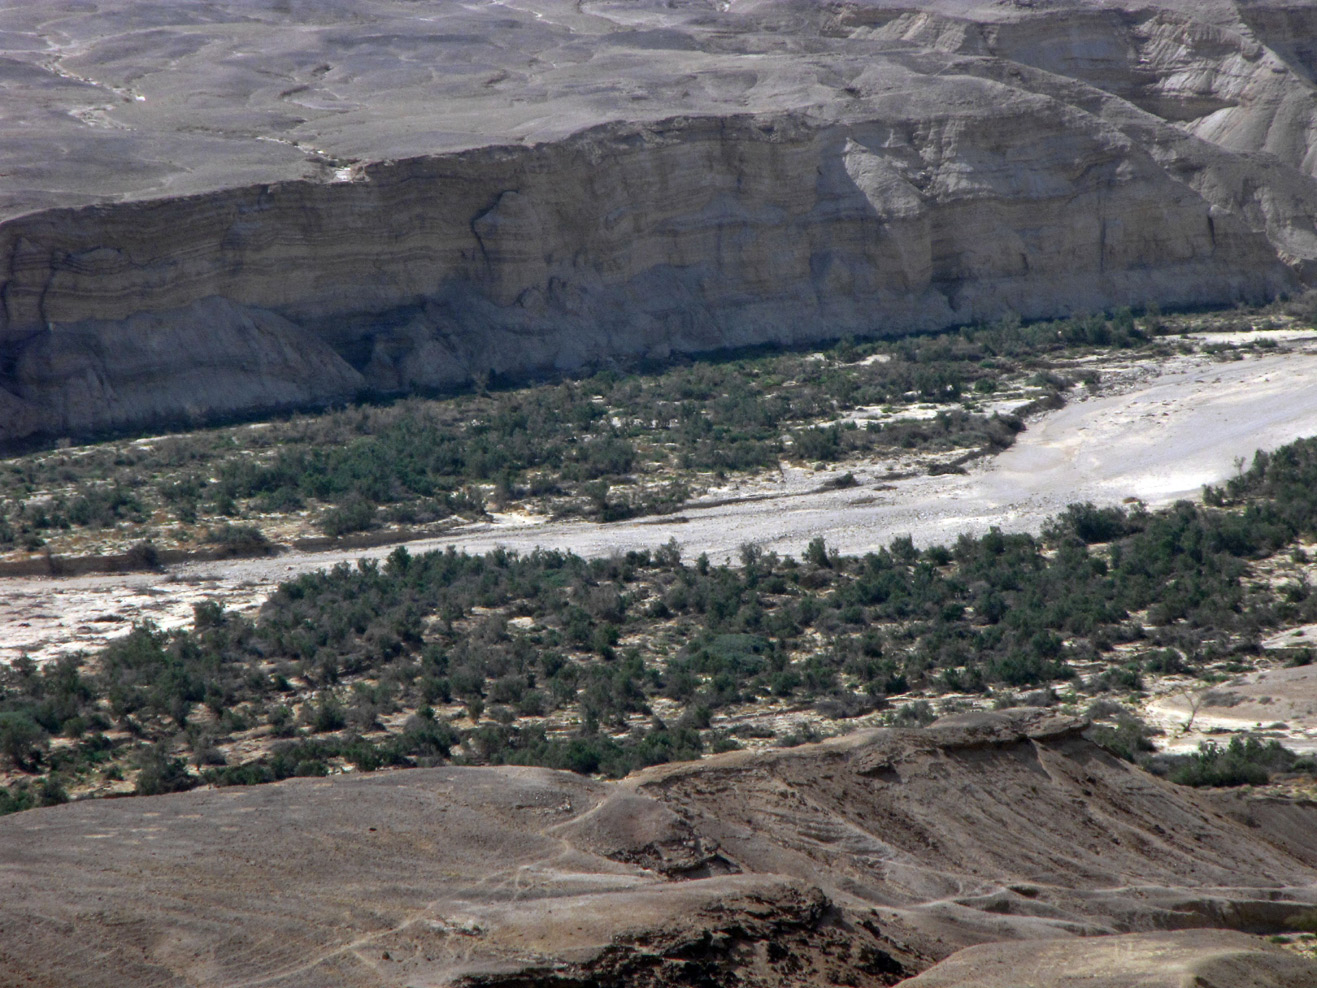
(1152, 433)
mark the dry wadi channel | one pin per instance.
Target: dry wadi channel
(1156, 433)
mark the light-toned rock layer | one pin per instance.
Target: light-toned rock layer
(257, 209)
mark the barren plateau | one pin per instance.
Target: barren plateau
(254, 206)
(860, 861)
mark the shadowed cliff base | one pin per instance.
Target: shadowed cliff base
(859, 861)
(282, 206)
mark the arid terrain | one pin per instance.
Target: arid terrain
(1152, 433)
(660, 493)
(866, 859)
(860, 861)
(275, 205)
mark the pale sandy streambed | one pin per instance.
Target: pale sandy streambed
(1159, 435)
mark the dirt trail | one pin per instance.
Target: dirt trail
(1158, 436)
(862, 859)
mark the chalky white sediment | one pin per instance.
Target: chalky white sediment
(1157, 437)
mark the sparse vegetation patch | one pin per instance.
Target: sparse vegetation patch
(607, 447)
(605, 665)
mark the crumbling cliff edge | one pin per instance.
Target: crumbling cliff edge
(843, 169)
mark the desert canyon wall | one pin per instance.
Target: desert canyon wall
(279, 206)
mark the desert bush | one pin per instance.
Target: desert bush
(162, 773)
(1244, 761)
(143, 555)
(1129, 738)
(238, 540)
(21, 740)
(356, 515)
(917, 714)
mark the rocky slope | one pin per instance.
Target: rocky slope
(860, 861)
(272, 205)
(1202, 958)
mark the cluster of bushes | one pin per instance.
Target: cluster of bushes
(1243, 762)
(425, 740)
(28, 796)
(610, 636)
(96, 506)
(579, 436)
(418, 460)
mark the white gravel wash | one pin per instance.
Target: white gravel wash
(1159, 441)
(1163, 434)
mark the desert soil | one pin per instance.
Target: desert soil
(982, 828)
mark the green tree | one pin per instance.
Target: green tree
(20, 741)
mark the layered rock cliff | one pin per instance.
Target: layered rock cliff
(270, 207)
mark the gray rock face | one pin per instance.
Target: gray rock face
(244, 205)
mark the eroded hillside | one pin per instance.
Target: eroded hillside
(860, 861)
(265, 207)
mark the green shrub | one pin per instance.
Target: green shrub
(326, 716)
(161, 773)
(21, 740)
(1129, 738)
(1241, 762)
(356, 515)
(143, 555)
(26, 795)
(917, 714)
(239, 540)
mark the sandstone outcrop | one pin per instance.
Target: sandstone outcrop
(860, 861)
(275, 206)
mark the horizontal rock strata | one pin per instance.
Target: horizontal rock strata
(543, 186)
